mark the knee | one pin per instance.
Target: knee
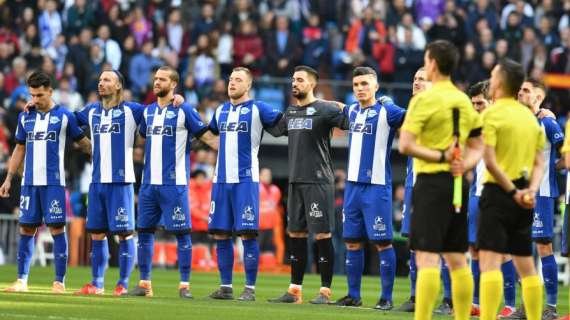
(544, 249)
(353, 246)
(298, 234)
(98, 236)
(384, 245)
(56, 230)
(248, 236)
(221, 237)
(322, 236)
(125, 236)
(474, 253)
(28, 231)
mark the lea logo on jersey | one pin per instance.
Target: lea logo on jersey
(365, 128)
(300, 124)
(41, 136)
(107, 128)
(160, 131)
(234, 126)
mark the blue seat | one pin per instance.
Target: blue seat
(271, 96)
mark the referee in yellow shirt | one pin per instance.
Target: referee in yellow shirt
(427, 135)
(513, 153)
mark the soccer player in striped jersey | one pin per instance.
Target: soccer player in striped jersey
(113, 124)
(235, 192)
(40, 136)
(163, 195)
(421, 83)
(532, 94)
(367, 212)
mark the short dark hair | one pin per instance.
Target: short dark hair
(312, 72)
(38, 79)
(445, 55)
(513, 76)
(174, 76)
(536, 84)
(481, 87)
(362, 71)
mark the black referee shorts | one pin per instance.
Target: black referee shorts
(310, 207)
(504, 226)
(435, 227)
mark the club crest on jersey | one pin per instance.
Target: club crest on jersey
(177, 214)
(372, 114)
(379, 224)
(54, 120)
(55, 208)
(41, 136)
(122, 215)
(117, 113)
(170, 114)
(365, 128)
(107, 128)
(234, 126)
(248, 214)
(315, 211)
(244, 110)
(300, 124)
(311, 111)
(159, 131)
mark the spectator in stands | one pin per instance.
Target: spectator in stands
(175, 31)
(513, 31)
(95, 66)
(78, 56)
(241, 11)
(79, 16)
(396, 11)
(565, 18)
(111, 49)
(523, 9)
(418, 37)
(17, 76)
(203, 65)
(315, 42)
(129, 50)
(50, 24)
(384, 52)
(189, 91)
(480, 10)
(407, 60)
(526, 46)
(224, 51)
(488, 61)
(538, 62)
(118, 26)
(8, 37)
(200, 188)
(205, 23)
(283, 50)
(141, 67)
(469, 70)
(364, 32)
(57, 52)
(248, 48)
(429, 10)
(27, 38)
(286, 8)
(67, 97)
(141, 28)
(3, 92)
(485, 41)
(547, 33)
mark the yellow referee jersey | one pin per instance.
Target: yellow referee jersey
(514, 132)
(566, 145)
(430, 118)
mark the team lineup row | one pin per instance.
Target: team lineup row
(508, 190)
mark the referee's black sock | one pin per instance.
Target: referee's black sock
(326, 261)
(298, 260)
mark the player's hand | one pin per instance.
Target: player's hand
(545, 113)
(178, 100)
(525, 198)
(385, 100)
(5, 188)
(457, 167)
(29, 105)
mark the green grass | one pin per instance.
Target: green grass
(40, 304)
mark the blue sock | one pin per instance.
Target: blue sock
(387, 272)
(413, 274)
(476, 275)
(99, 258)
(509, 283)
(354, 269)
(184, 256)
(60, 256)
(25, 252)
(250, 260)
(145, 251)
(550, 276)
(225, 252)
(126, 260)
(446, 281)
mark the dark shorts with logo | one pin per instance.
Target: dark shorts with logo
(310, 207)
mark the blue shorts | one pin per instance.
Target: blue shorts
(472, 219)
(367, 212)
(234, 208)
(407, 211)
(543, 219)
(42, 204)
(110, 208)
(565, 233)
(166, 205)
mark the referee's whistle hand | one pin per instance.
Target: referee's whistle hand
(457, 167)
(525, 198)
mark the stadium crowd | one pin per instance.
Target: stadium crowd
(74, 41)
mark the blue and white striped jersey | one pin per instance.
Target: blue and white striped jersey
(410, 177)
(167, 148)
(554, 138)
(240, 128)
(112, 137)
(44, 136)
(477, 183)
(371, 134)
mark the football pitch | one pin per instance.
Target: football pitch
(41, 304)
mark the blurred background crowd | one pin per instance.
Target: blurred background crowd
(74, 40)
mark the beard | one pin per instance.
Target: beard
(236, 96)
(299, 95)
(162, 93)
